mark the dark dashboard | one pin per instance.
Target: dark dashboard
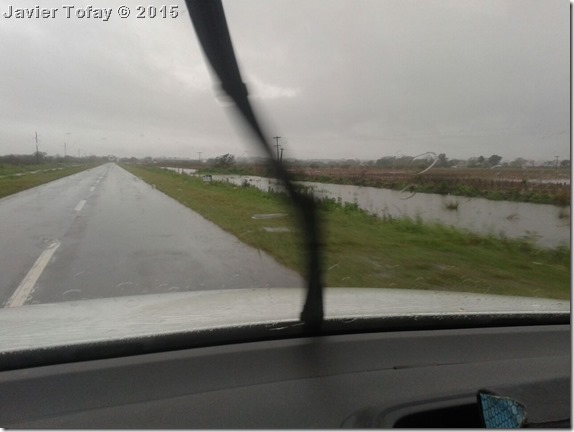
(420, 378)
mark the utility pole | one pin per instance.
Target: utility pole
(281, 157)
(276, 138)
(199, 156)
(37, 153)
(556, 162)
(66, 146)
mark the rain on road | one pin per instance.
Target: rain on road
(105, 233)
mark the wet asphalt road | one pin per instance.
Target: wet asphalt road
(105, 233)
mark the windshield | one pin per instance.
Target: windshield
(426, 143)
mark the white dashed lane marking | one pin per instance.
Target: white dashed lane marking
(80, 205)
(24, 290)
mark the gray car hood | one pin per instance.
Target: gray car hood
(89, 321)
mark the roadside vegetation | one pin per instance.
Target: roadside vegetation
(541, 186)
(8, 169)
(536, 186)
(542, 182)
(361, 250)
(21, 172)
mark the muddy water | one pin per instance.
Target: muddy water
(187, 171)
(546, 225)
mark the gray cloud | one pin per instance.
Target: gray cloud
(352, 79)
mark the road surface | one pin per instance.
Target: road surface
(105, 233)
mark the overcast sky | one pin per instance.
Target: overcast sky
(335, 79)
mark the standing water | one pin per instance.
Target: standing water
(188, 171)
(545, 225)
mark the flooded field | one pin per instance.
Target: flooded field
(546, 225)
(188, 171)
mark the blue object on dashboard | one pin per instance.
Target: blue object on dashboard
(499, 412)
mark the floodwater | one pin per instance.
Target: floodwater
(187, 171)
(545, 225)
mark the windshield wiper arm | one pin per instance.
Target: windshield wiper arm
(210, 25)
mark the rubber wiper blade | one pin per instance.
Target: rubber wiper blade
(208, 18)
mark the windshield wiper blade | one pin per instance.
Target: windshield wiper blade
(208, 18)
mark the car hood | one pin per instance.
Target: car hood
(92, 321)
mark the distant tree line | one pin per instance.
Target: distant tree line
(228, 160)
(224, 161)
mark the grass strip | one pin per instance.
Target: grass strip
(9, 169)
(11, 184)
(361, 250)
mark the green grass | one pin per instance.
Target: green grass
(361, 250)
(11, 183)
(9, 169)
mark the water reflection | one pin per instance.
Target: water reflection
(188, 171)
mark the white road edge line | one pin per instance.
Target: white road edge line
(80, 205)
(25, 288)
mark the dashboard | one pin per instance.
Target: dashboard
(418, 378)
